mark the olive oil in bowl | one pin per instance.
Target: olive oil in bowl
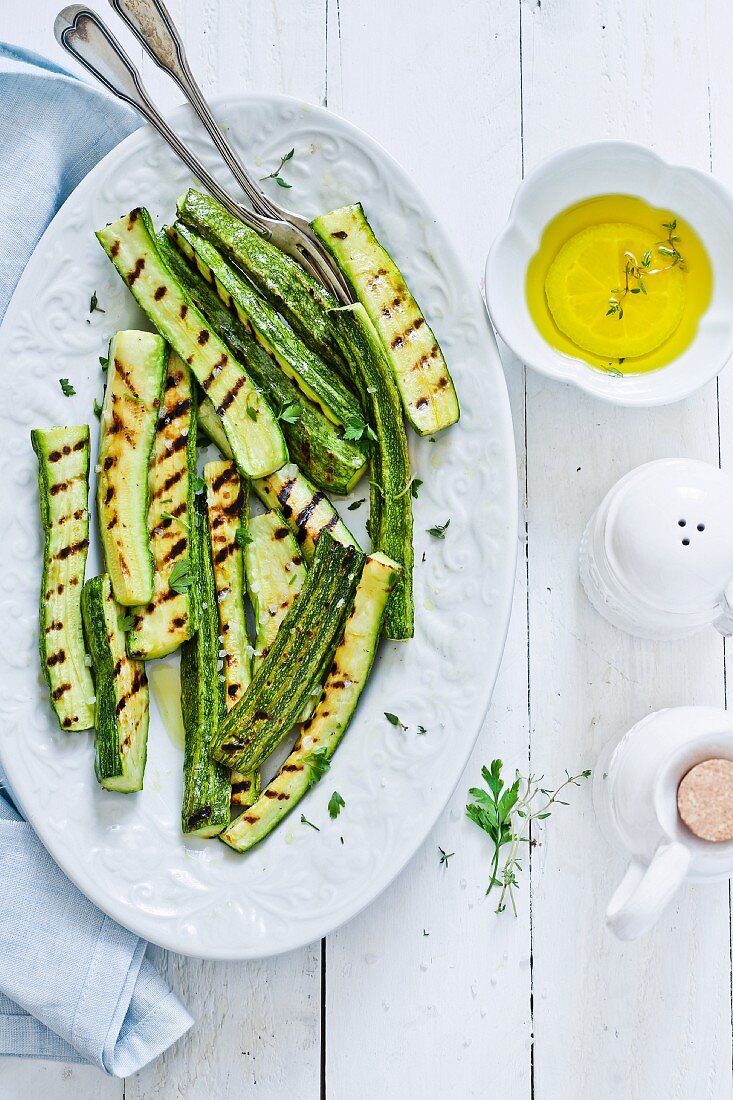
(619, 284)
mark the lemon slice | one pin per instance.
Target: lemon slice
(589, 270)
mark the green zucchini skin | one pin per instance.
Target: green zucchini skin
(250, 424)
(323, 732)
(314, 378)
(306, 510)
(206, 787)
(168, 619)
(300, 298)
(135, 376)
(304, 645)
(122, 708)
(63, 488)
(335, 464)
(275, 576)
(420, 370)
(390, 519)
(227, 506)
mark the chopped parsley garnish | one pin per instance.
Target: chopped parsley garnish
(241, 538)
(394, 720)
(252, 412)
(356, 504)
(305, 821)
(198, 484)
(104, 363)
(125, 622)
(94, 306)
(181, 577)
(415, 487)
(173, 519)
(445, 856)
(438, 532)
(66, 387)
(290, 413)
(317, 763)
(335, 805)
(97, 406)
(357, 429)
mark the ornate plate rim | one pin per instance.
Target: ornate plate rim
(505, 572)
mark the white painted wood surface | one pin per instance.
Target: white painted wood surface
(467, 95)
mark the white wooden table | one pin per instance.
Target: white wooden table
(468, 95)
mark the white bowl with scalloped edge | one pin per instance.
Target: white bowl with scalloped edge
(602, 168)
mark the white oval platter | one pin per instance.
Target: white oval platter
(127, 852)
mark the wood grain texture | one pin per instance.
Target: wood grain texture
(463, 96)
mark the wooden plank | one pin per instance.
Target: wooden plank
(409, 1014)
(650, 1018)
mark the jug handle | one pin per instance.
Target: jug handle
(724, 622)
(645, 891)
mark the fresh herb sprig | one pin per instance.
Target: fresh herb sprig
(636, 272)
(276, 174)
(506, 813)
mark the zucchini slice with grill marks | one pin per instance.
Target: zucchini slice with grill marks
(210, 424)
(275, 576)
(301, 299)
(161, 625)
(63, 486)
(303, 647)
(122, 707)
(314, 378)
(390, 519)
(206, 786)
(135, 375)
(227, 507)
(320, 735)
(250, 425)
(420, 370)
(334, 463)
(306, 510)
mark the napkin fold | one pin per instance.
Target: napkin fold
(74, 985)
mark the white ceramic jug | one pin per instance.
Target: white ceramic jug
(656, 558)
(635, 787)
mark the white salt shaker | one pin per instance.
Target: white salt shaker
(674, 762)
(656, 558)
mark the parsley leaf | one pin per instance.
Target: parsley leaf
(394, 720)
(356, 428)
(174, 519)
(241, 538)
(252, 412)
(445, 856)
(335, 805)
(198, 484)
(181, 578)
(104, 363)
(97, 406)
(438, 532)
(415, 487)
(317, 763)
(305, 821)
(125, 622)
(356, 504)
(94, 306)
(66, 387)
(290, 413)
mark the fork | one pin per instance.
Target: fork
(83, 34)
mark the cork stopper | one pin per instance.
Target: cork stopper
(705, 800)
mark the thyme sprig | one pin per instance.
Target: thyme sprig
(276, 174)
(636, 272)
(506, 813)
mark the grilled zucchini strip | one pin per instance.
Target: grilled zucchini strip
(122, 707)
(390, 519)
(161, 625)
(300, 298)
(303, 647)
(420, 370)
(206, 787)
(314, 378)
(135, 375)
(306, 510)
(250, 425)
(275, 576)
(63, 487)
(322, 732)
(210, 424)
(334, 463)
(227, 507)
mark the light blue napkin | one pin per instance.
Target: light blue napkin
(74, 986)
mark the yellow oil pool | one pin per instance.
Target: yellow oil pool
(619, 284)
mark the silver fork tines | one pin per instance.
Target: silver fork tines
(83, 34)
